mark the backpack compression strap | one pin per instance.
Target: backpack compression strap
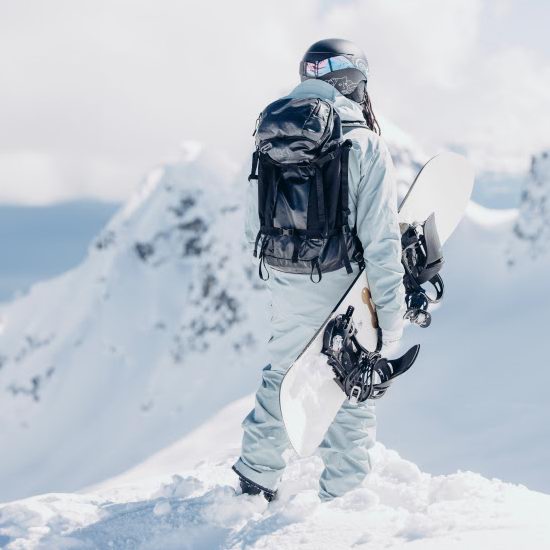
(345, 204)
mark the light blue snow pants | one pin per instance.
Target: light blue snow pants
(298, 310)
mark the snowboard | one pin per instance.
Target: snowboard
(311, 395)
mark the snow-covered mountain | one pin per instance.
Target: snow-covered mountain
(158, 327)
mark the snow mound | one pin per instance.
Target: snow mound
(198, 508)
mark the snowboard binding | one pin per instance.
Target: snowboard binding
(422, 259)
(360, 373)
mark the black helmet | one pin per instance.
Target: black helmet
(339, 62)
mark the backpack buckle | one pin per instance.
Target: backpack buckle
(288, 232)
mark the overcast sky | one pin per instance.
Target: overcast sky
(94, 93)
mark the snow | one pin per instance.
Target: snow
(195, 506)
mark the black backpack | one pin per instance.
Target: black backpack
(301, 164)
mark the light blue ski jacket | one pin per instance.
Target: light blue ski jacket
(299, 307)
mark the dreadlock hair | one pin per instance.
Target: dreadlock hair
(368, 113)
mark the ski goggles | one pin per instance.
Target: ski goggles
(316, 69)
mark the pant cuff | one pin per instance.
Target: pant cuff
(267, 480)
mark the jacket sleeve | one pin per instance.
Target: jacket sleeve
(378, 230)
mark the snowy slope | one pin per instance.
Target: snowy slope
(170, 503)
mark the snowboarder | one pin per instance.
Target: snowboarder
(303, 288)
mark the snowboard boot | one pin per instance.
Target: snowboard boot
(248, 487)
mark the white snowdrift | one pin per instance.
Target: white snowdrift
(196, 507)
